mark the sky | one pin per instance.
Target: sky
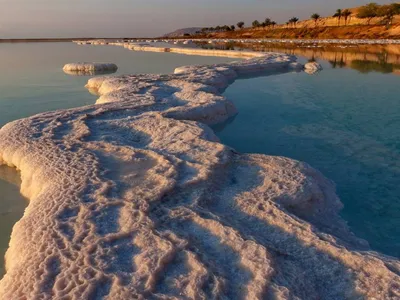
(147, 18)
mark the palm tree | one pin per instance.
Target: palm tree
(338, 14)
(346, 14)
(256, 24)
(240, 25)
(315, 17)
(293, 21)
(268, 22)
(263, 25)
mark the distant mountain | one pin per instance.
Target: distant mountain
(181, 32)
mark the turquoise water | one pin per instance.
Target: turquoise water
(344, 122)
(32, 81)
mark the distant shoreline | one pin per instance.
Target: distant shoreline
(277, 40)
(38, 40)
(50, 40)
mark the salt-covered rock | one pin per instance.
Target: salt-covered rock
(86, 68)
(312, 67)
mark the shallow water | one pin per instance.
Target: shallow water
(32, 81)
(344, 122)
(12, 205)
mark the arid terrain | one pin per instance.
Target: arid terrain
(326, 27)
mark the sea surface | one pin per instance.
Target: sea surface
(344, 121)
(32, 81)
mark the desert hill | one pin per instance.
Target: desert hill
(182, 32)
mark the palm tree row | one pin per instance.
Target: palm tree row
(369, 11)
(218, 29)
(346, 14)
(267, 23)
(293, 21)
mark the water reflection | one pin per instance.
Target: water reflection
(343, 122)
(89, 72)
(10, 175)
(363, 58)
(12, 206)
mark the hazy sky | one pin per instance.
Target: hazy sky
(119, 18)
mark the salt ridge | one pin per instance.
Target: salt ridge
(135, 198)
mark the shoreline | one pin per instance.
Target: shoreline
(132, 195)
(245, 40)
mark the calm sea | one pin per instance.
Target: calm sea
(344, 121)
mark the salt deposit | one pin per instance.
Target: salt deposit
(135, 198)
(312, 67)
(86, 68)
(347, 42)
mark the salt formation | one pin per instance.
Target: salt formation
(312, 67)
(135, 198)
(89, 68)
(301, 42)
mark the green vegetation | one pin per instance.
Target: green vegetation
(342, 14)
(256, 24)
(338, 15)
(347, 15)
(368, 12)
(293, 21)
(266, 24)
(316, 18)
(386, 13)
(216, 29)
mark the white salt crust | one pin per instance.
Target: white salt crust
(86, 68)
(135, 198)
